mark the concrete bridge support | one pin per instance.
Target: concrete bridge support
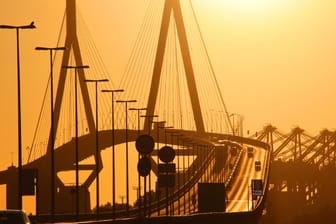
(12, 190)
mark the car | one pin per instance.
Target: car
(257, 165)
(250, 152)
(233, 150)
(11, 216)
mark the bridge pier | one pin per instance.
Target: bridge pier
(66, 200)
(12, 190)
(65, 195)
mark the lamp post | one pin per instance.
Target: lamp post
(17, 28)
(178, 170)
(187, 143)
(165, 131)
(190, 145)
(138, 110)
(52, 134)
(139, 181)
(233, 123)
(96, 81)
(172, 197)
(150, 120)
(113, 146)
(126, 136)
(167, 192)
(158, 148)
(76, 140)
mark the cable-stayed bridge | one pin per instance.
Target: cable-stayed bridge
(170, 86)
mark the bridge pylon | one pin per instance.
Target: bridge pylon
(72, 46)
(172, 9)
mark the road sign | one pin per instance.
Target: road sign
(166, 154)
(28, 181)
(144, 144)
(167, 168)
(166, 180)
(257, 187)
(144, 166)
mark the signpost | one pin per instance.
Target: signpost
(144, 145)
(256, 188)
(166, 177)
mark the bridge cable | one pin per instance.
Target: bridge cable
(211, 67)
(40, 117)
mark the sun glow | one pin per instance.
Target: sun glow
(250, 7)
(252, 4)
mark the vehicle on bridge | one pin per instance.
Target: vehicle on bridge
(257, 165)
(233, 150)
(13, 216)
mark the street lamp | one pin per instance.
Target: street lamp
(76, 140)
(30, 26)
(52, 134)
(233, 123)
(138, 110)
(151, 117)
(190, 144)
(167, 192)
(158, 148)
(165, 132)
(139, 181)
(186, 144)
(149, 121)
(113, 146)
(126, 136)
(172, 197)
(96, 81)
(178, 170)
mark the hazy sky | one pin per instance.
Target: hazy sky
(275, 59)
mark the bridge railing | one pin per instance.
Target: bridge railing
(261, 200)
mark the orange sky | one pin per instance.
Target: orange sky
(275, 61)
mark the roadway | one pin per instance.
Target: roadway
(239, 195)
